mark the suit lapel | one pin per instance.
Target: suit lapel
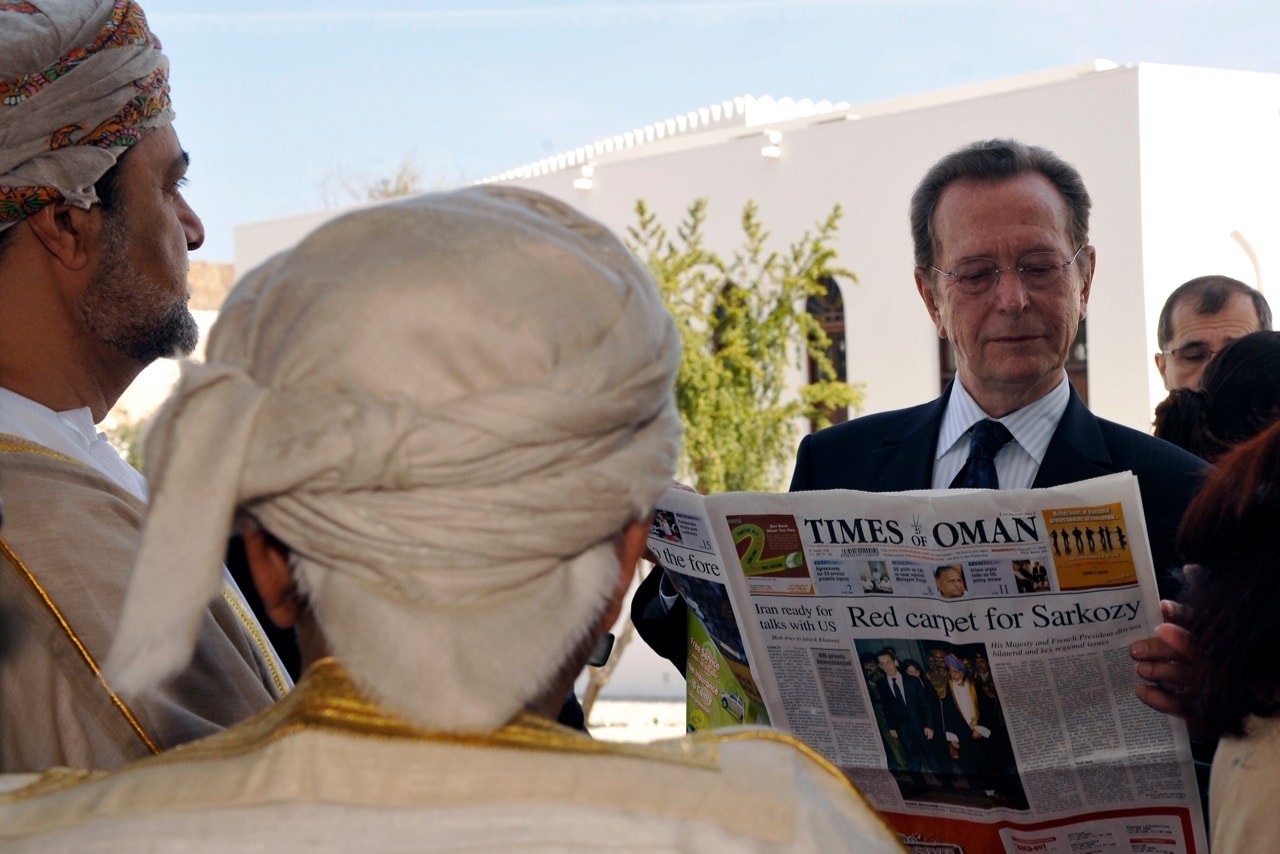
(904, 460)
(1077, 450)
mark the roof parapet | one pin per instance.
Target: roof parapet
(744, 111)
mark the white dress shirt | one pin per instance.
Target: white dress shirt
(71, 433)
(1018, 461)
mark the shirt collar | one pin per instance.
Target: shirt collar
(38, 423)
(1032, 426)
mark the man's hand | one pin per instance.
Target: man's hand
(1163, 662)
(928, 734)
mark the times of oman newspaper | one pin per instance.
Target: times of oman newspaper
(961, 655)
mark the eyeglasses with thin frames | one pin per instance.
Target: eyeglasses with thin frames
(1038, 271)
(1191, 354)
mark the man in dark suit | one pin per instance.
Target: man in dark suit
(897, 451)
(1004, 267)
(911, 715)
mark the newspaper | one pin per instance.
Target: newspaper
(1005, 616)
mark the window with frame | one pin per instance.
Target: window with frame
(828, 310)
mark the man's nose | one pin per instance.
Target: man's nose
(192, 227)
(1010, 293)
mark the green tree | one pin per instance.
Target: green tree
(747, 335)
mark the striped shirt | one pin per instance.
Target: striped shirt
(1018, 461)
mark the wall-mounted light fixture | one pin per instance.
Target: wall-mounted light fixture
(585, 181)
(773, 148)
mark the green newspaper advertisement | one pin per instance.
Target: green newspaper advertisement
(720, 688)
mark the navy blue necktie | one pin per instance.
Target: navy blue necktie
(979, 472)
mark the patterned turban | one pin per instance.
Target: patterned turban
(80, 82)
(448, 407)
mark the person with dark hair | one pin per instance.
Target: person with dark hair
(911, 716)
(1201, 317)
(1238, 398)
(871, 673)
(936, 675)
(1231, 532)
(94, 238)
(949, 579)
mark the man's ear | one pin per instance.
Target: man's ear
(68, 233)
(924, 284)
(631, 547)
(1087, 285)
(1160, 366)
(269, 566)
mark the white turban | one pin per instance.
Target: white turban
(448, 407)
(80, 82)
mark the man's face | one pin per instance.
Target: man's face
(1196, 337)
(951, 583)
(136, 301)
(937, 661)
(1011, 342)
(888, 665)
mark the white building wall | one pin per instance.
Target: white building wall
(870, 166)
(1210, 183)
(255, 242)
(1182, 165)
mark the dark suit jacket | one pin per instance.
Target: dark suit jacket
(894, 451)
(910, 715)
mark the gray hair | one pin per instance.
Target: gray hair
(995, 160)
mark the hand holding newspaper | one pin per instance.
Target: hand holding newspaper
(961, 655)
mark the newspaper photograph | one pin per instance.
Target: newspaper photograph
(961, 655)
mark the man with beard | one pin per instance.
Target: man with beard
(448, 580)
(94, 235)
(976, 737)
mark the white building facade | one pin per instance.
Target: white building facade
(1183, 165)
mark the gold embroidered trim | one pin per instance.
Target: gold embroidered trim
(7, 447)
(51, 780)
(265, 649)
(255, 633)
(85, 655)
(326, 699)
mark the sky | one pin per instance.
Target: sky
(284, 103)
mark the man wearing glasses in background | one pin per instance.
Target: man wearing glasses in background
(1200, 318)
(1004, 266)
